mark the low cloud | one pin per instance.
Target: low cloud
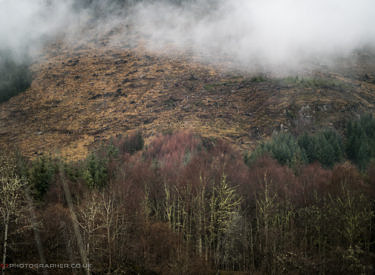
(262, 34)
(266, 33)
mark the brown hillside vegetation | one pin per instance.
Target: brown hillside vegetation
(82, 96)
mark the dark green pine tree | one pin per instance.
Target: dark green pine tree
(96, 172)
(360, 141)
(309, 145)
(325, 153)
(41, 175)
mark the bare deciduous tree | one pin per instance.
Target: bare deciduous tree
(11, 198)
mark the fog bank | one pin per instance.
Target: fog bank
(265, 34)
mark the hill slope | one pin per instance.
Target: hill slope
(83, 96)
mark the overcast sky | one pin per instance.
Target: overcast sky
(281, 32)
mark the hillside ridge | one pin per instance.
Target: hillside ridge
(80, 97)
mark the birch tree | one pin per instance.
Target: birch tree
(88, 215)
(11, 198)
(224, 206)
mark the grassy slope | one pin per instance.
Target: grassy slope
(80, 97)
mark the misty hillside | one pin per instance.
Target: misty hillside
(119, 68)
(187, 137)
(81, 97)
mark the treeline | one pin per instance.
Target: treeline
(184, 204)
(326, 147)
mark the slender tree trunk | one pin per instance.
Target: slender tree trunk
(36, 231)
(168, 205)
(199, 230)
(88, 252)
(68, 246)
(109, 249)
(5, 242)
(252, 246)
(77, 233)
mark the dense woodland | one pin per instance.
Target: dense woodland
(184, 204)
